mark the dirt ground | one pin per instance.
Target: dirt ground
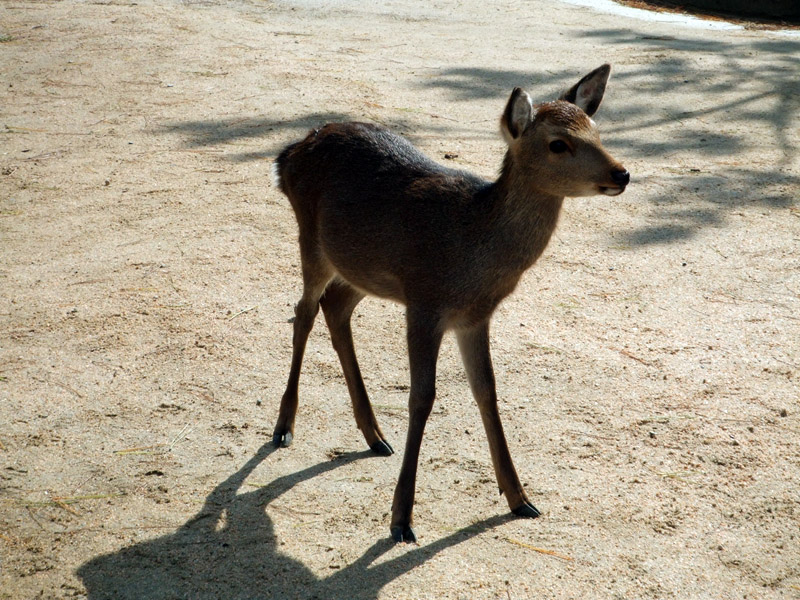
(648, 365)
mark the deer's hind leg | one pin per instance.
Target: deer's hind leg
(317, 272)
(338, 303)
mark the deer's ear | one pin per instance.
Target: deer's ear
(517, 115)
(588, 92)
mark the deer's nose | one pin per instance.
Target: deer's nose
(621, 177)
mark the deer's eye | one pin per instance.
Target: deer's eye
(558, 146)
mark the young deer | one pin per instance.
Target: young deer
(378, 217)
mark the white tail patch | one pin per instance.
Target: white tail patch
(276, 175)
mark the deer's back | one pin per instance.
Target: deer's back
(361, 163)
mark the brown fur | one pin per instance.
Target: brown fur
(564, 114)
(378, 217)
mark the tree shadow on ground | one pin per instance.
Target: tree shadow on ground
(216, 132)
(209, 133)
(699, 147)
(704, 143)
(229, 550)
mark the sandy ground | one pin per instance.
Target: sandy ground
(648, 365)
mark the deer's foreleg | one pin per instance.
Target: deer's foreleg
(424, 339)
(474, 346)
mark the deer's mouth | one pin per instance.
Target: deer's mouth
(620, 178)
(611, 190)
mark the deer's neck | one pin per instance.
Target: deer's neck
(525, 215)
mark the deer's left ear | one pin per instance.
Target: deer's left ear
(517, 116)
(588, 92)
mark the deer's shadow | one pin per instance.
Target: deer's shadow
(229, 550)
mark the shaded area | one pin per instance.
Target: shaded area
(199, 134)
(229, 550)
(766, 10)
(700, 147)
(702, 144)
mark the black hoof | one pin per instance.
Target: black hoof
(382, 448)
(282, 440)
(403, 534)
(527, 510)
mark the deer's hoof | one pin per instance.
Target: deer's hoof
(382, 448)
(282, 439)
(526, 509)
(403, 533)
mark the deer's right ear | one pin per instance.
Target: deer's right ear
(517, 115)
(588, 92)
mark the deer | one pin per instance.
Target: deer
(378, 217)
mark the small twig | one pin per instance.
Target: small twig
(656, 419)
(292, 33)
(14, 129)
(287, 509)
(69, 389)
(87, 282)
(137, 527)
(140, 449)
(61, 504)
(680, 475)
(155, 448)
(786, 362)
(62, 501)
(389, 407)
(178, 437)
(59, 384)
(35, 520)
(241, 312)
(540, 550)
(636, 358)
